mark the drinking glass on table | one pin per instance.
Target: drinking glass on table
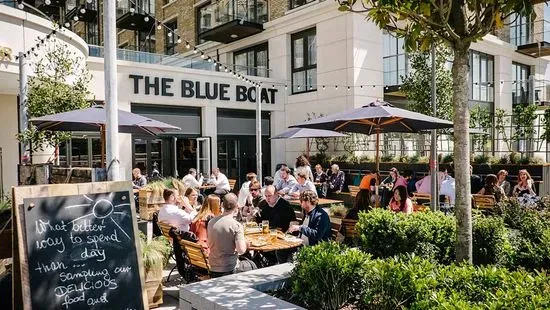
(293, 223)
(265, 227)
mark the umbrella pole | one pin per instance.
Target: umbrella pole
(377, 166)
(307, 149)
(102, 130)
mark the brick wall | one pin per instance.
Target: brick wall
(277, 8)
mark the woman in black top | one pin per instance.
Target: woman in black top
(492, 188)
(362, 203)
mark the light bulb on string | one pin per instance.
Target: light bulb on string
(83, 10)
(146, 18)
(195, 50)
(169, 34)
(75, 18)
(286, 87)
(187, 45)
(20, 6)
(48, 2)
(298, 87)
(203, 56)
(226, 70)
(179, 41)
(67, 25)
(159, 26)
(132, 10)
(335, 86)
(324, 87)
(349, 88)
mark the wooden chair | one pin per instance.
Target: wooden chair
(197, 257)
(350, 232)
(299, 216)
(232, 183)
(353, 190)
(484, 202)
(422, 196)
(167, 230)
(335, 229)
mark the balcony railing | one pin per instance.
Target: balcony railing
(531, 38)
(173, 60)
(224, 11)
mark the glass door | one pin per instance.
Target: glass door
(203, 155)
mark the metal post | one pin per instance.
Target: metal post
(175, 149)
(259, 134)
(111, 94)
(23, 88)
(433, 150)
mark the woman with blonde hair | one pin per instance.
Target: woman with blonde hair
(505, 185)
(302, 164)
(210, 209)
(525, 185)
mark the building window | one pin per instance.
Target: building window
(170, 37)
(252, 61)
(296, 3)
(92, 33)
(481, 76)
(520, 84)
(395, 60)
(146, 42)
(519, 29)
(304, 61)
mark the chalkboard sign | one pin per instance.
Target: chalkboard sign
(80, 252)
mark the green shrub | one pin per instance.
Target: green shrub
(426, 234)
(387, 158)
(490, 241)
(328, 275)
(447, 159)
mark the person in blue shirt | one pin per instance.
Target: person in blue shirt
(316, 225)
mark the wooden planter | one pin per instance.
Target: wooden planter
(149, 203)
(153, 286)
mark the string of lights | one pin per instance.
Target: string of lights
(40, 42)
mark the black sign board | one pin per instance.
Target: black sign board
(81, 252)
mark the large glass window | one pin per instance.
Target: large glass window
(519, 29)
(481, 76)
(296, 3)
(170, 38)
(252, 61)
(395, 60)
(520, 84)
(304, 61)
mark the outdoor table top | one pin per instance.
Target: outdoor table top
(208, 186)
(322, 202)
(278, 244)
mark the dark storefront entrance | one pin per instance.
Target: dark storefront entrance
(236, 149)
(171, 154)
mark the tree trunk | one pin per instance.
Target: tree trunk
(461, 118)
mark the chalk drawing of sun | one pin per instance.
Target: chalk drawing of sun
(103, 209)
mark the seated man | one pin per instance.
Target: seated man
(336, 180)
(316, 225)
(190, 180)
(302, 184)
(220, 181)
(172, 214)
(226, 241)
(286, 183)
(276, 210)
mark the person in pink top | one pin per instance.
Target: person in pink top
(424, 186)
(398, 180)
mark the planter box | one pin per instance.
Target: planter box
(6, 236)
(153, 287)
(49, 174)
(149, 203)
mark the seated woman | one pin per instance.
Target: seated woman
(190, 199)
(400, 201)
(505, 185)
(362, 203)
(524, 186)
(492, 188)
(210, 208)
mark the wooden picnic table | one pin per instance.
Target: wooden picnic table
(279, 244)
(321, 202)
(207, 186)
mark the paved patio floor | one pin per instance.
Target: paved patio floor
(171, 289)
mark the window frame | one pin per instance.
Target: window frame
(294, 37)
(256, 48)
(170, 42)
(489, 83)
(395, 54)
(517, 83)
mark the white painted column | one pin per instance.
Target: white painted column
(209, 128)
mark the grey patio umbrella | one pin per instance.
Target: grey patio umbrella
(95, 118)
(300, 133)
(376, 117)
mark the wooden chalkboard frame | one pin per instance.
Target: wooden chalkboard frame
(21, 295)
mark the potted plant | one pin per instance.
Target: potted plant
(154, 256)
(338, 210)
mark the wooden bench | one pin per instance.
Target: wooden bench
(335, 229)
(422, 196)
(167, 230)
(232, 183)
(350, 232)
(197, 257)
(353, 190)
(484, 202)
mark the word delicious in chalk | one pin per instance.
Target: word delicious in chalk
(200, 90)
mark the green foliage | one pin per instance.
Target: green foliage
(426, 234)
(60, 84)
(156, 253)
(5, 203)
(546, 125)
(524, 116)
(416, 85)
(490, 244)
(447, 159)
(338, 210)
(481, 159)
(387, 158)
(480, 118)
(328, 275)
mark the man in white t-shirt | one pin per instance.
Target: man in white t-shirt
(220, 181)
(190, 180)
(448, 187)
(171, 214)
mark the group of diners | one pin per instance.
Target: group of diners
(396, 190)
(218, 224)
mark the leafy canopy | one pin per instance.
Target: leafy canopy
(59, 84)
(416, 85)
(456, 22)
